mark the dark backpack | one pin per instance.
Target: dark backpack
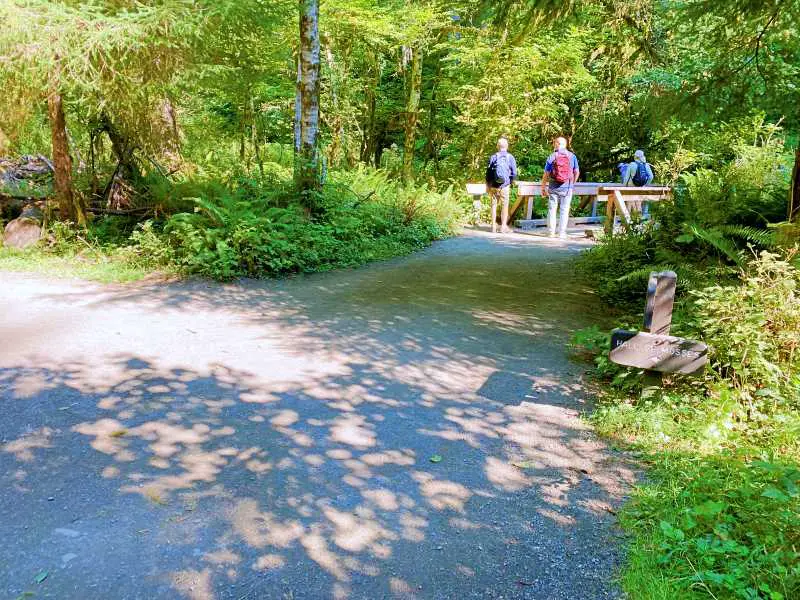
(640, 177)
(500, 172)
(561, 169)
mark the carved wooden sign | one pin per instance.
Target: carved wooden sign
(654, 350)
(662, 353)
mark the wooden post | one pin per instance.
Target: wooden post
(621, 206)
(610, 216)
(658, 318)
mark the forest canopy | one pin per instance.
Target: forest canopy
(212, 84)
(153, 109)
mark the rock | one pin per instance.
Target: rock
(22, 232)
(32, 211)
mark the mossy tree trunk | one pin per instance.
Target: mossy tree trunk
(69, 205)
(307, 157)
(413, 95)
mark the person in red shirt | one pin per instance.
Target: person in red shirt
(561, 171)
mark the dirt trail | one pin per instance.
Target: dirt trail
(406, 430)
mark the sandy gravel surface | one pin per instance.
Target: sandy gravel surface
(407, 430)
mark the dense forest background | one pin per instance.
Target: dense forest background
(207, 90)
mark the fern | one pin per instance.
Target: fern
(758, 237)
(644, 272)
(716, 238)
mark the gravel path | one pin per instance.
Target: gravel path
(405, 430)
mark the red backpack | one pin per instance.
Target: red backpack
(561, 170)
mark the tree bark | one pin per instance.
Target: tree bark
(431, 149)
(794, 193)
(307, 159)
(69, 205)
(369, 129)
(298, 113)
(413, 93)
(337, 128)
(255, 135)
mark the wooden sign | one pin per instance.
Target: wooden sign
(662, 353)
(654, 350)
(660, 299)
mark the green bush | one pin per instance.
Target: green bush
(753, 330)
(721, 526)
(619, 266)
(720, 514)
(749, 190)
(245, 232)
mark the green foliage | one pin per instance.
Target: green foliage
(754, 333)
(594, 344)
(94, 254)
(717, 219)
(751, 189)
(721, 526)
(234, 234)
(720, 514)
(618, 267)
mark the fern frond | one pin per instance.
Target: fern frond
(644, 272)
(759, 237)
(723, 245)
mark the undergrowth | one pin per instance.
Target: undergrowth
(246, 229)
(719, 516)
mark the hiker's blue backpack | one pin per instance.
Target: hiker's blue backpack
(640, 177)
(501, 172)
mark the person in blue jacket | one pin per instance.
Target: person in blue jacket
(500, 175)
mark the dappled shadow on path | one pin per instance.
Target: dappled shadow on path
(429, 445)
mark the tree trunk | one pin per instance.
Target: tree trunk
(298, 113)
(69, 206)
(307, 159)
(369, 135)
(337, 128)
(794, 193)
(413, 92)
(256, 141)
(431, 149)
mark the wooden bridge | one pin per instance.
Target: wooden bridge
(618, 198)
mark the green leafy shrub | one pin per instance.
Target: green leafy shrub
(721, 526)
(363, 216)
(594, 344)
(619, 266)
(754, 334)
(751, 189)
(713, 521)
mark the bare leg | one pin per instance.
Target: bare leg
(505, 194)
(493, 194)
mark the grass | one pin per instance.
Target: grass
(719, 514)
(92, 267)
